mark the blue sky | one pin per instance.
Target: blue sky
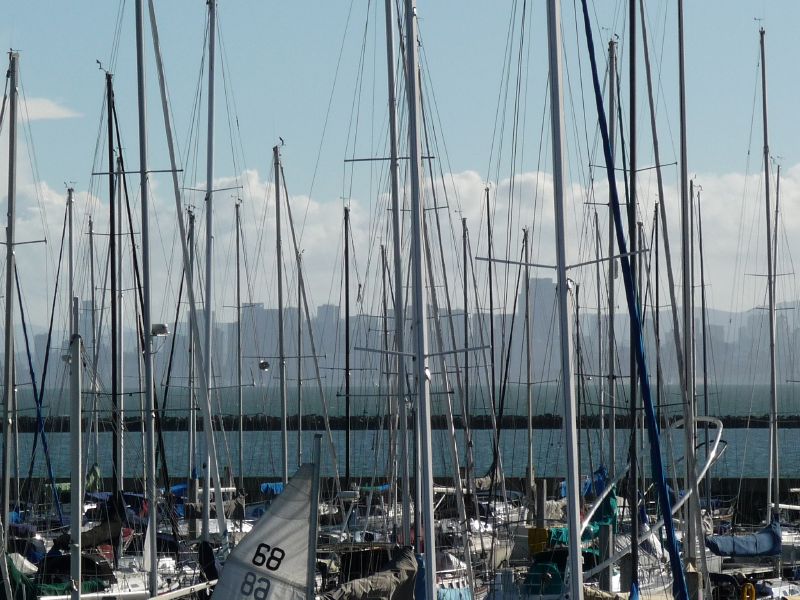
(280, 64)
(283, 55)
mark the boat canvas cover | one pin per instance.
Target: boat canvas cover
(272, 488)
(395, 581)
(272, 560)
(766, 542)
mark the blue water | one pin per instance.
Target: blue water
(737, 400)
(746, 454)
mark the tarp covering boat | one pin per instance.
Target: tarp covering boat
(272, 489)
(107, 531)
(272, 560)
(24, 587)
(766, 542)
(179, 489)
(378, 489)
(593, 486)
(395, 580)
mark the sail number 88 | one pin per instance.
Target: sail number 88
(269, 557)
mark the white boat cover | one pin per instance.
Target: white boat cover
(271, 562)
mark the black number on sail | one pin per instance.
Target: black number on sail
(260, 593)
(248, 584)
(260, 557)
(275, 559)
(272, 561)
(249, 587)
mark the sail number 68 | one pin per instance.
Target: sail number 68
(269, 557)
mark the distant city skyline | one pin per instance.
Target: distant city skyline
(737, 348)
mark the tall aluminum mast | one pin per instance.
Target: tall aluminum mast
(347, 414)
(773, 482)
(75, 434)
(281, 351)
(149, 382)
(9, 402)
(209, 297)
(420, 321)
(398, 278)
(612, 383)
(239, 345)
(563, 292)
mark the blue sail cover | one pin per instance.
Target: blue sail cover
(766, 542)
(593, 486)
(272, 489)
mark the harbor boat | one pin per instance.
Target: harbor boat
(754, 559)
(278, 556)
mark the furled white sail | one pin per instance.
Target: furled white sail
(272, 561)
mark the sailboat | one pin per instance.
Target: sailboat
(769, 545)
(278, 557)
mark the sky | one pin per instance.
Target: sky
(313, 73)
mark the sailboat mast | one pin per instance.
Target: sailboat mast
(281, 350)
(192, 475)
(528, 361)
(612, 383)
(71, 265)
(9, 412)
(75, 433)
(598, 284)
(76, 430)
(633, 475)
(386, 366)
(774, 483)
(209, 296)
(149, 382)
(489, 242)
(398, 277)
(299, 363)
(704, 326)
(468, 436)
(657, 317)
(347, 432)
(239, 344)
(777, 209)
(420, 309)
(116, 426)
(120, 323)
(95, 354)
(562, 291)
(692, 513)
(579, 386)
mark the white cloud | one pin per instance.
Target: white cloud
(733, 215)
(41, 109)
